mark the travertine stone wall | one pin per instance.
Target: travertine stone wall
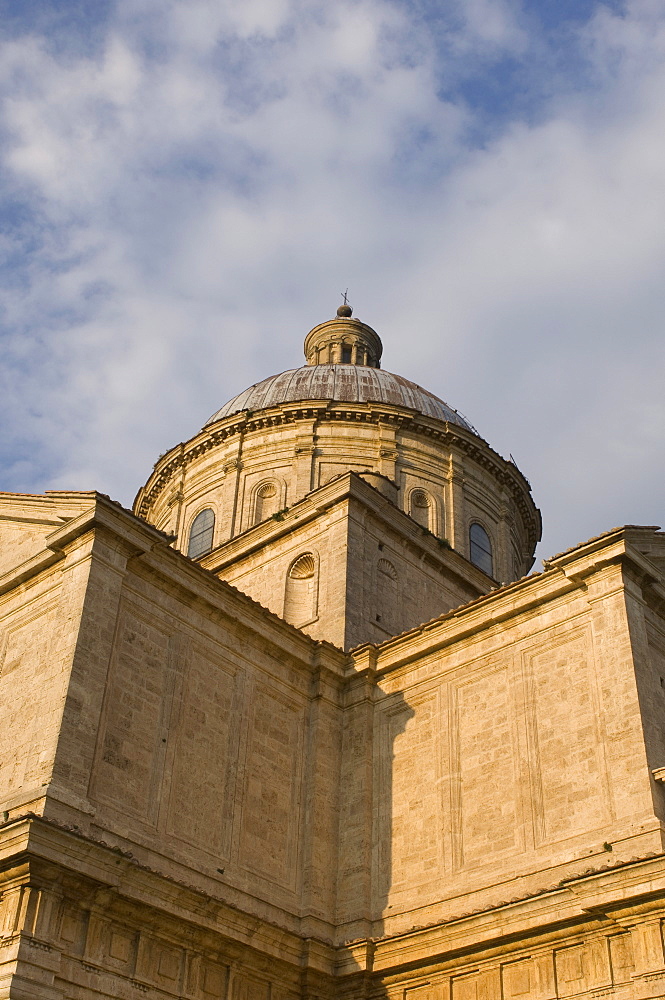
(645, 606)
(262, 573)
(184, 722)
(505, 753)
(41, 606)
(398, 576)
(231, 807)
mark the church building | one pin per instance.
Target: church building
(301, 726)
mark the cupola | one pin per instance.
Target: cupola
(343, 341)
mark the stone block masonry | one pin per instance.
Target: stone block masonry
(199, 800)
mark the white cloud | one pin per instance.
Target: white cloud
(491, 24)
(193, 196)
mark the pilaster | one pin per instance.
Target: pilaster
(388, 450)
(647, 938)
(503, 568)
(231, 488)
(354, 892)
(456, 532)
(304, 452)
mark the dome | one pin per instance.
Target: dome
(341, 415)
(344, 383)
(343, 358)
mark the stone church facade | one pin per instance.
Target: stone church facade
(300, 726)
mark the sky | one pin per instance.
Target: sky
(187, 186)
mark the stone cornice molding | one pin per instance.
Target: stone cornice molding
(609, 892)
(627, 536)
(43, 843)
(52, 856)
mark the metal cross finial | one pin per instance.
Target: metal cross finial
(345, 296)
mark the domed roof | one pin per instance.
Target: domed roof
(344, 383)
(343, 364)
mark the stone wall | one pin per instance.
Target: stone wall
(42, 591)
(229, 808)
(191, 726)
(399, 576)
(507, 744)
(263, 572)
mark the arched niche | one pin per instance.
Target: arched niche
(421, 508)
(300, 597)
(266, 501)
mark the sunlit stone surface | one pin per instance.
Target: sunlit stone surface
(344, 749)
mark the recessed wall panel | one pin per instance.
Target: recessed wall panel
(567, 747)
(486, 760)
(270, 819)
(201, 799)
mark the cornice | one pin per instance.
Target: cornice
(596, 896)
(607, 896)
(39, 841)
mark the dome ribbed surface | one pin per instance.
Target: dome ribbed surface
(343, 384)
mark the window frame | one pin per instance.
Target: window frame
(488, 553)
(209, 528)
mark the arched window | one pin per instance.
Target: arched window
(300, 596)
(201, 533)
(420, 507)
(480, 549)
(266, 502)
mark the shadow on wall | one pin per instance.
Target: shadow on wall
(374, 819)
